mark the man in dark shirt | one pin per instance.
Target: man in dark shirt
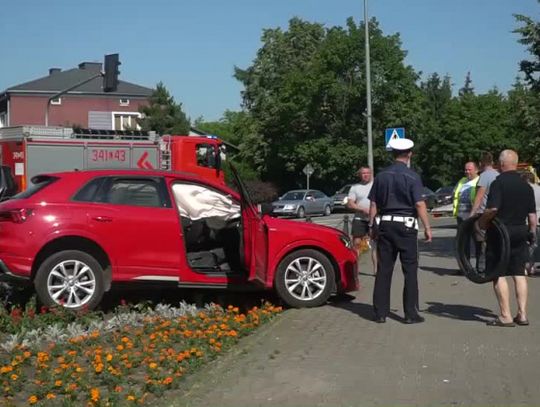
(511, 200)
(396, 197)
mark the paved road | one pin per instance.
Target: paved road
(335, 356)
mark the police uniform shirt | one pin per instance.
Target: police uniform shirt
(396, 190)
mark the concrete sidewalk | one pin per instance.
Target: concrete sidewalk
(335, 356)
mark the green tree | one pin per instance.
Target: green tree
(163, 115)
(305, 92)
(468, 88)
(525, 97)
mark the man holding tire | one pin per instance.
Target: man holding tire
(396, 196)
(512, 201)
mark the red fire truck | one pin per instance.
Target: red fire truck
(26, 151)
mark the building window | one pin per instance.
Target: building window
(126, 121)
(57, 101)
(3, 119)
(124, 102)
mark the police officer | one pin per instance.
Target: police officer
(396, 198)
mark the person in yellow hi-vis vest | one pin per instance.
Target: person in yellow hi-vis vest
(464, 196)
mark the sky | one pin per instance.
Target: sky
(192, 46)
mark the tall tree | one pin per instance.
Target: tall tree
(163, 115)
(306, 94)
(525, 97)
(467, 88)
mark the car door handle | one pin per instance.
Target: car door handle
(102, 218)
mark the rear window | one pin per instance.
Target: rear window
(38, 183)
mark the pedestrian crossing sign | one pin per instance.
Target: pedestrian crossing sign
(393, 133)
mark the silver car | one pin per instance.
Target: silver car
(301, 202)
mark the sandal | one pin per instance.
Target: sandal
(498, 322)
(521, 322)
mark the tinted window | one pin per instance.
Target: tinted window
(318, 194)
(294, 196)
(38, 183)
(135, 192)
(344, 190)
(89, 191)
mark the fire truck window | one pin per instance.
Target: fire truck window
(205, 156)
(136, 192)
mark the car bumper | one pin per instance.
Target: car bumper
(287, 212)
(348, 266)
(8, 276)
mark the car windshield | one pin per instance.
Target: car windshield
(445, 190)
(344, 190)
(293, 196)
(427, 191)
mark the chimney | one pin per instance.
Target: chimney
(54, 70)
(91, 66)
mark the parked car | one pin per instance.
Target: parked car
(73, 235)
(444, 195)
(301, 202)
(429, 196)
(340, 197)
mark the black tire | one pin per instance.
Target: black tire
(301, 213)
(282, 273)
(327, 210)
(93, 277)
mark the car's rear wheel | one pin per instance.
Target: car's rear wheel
(70, 278)
(327, 210)
(304, 278)
(301, 213)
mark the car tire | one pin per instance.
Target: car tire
(70, 278)
(309, 269)
(301, 212)
(327, 210)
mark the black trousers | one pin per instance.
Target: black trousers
(394, 238)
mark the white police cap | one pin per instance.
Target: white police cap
(400, 144)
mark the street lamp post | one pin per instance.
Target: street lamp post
(368, 88)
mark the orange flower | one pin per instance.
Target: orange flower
(27, 354)
(152, 365)
(119, 348)
(58, 383)
(109, 357)
(99, 368)
(130, 397)
(14, 377)
(118, 389)
(6, 369)
(233, 333)
(167, 380)
(50, 396)
(32, 399)
(94, 395)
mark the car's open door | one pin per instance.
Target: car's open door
(255, 235)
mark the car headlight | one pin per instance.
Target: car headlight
(346, 240)
(289, 207)
(345, 200)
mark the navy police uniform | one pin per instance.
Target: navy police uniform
(395, 191)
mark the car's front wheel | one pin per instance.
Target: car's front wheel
(70, 278)
(301, 213)
(304, 278)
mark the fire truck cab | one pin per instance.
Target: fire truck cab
(26, 151)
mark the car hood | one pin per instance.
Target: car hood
(298, 229)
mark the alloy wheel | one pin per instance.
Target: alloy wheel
(71, 283)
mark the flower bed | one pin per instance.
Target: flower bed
(130, 357)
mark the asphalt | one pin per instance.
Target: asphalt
(335, 355)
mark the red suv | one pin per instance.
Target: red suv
(73, 234)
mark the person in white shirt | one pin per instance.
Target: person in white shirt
(358, 201)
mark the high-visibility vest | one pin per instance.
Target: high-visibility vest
(457, 192)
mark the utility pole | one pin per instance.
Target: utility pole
(368, 89)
